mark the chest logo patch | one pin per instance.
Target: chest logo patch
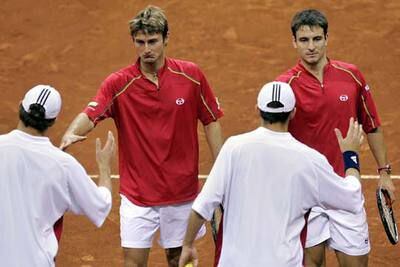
(180, 101)
(343, 98)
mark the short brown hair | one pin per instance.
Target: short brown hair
(149, 20)
(311, 18)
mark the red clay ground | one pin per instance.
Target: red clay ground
(240, 45)
(84, 245)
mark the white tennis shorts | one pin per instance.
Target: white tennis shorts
(343, 231)
(139, 224)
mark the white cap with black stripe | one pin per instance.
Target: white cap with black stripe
(276, 97)
(47, 97)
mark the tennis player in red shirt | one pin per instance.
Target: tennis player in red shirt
(329, 92)
(156, 104)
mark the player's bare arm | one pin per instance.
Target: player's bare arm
(214, 137)
(351, 142)
(189, 253)
(104, 157)
(77, 130)
(377, 144)
(215, 141)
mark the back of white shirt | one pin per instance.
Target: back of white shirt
(38, 184)
(267, 181)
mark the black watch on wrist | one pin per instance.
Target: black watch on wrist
(387, 168)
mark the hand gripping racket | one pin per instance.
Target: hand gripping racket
(386, 212)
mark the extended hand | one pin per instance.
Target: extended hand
(105, 155)
(69, 138)
(354, 138)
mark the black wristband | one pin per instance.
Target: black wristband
(350, 159)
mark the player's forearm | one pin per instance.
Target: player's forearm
(214, 137)
(81, 125)
(354, 199)
(104, 157)
(377, 144)
(105, 176)
(194, 225)
(353, 172)
(77, 131)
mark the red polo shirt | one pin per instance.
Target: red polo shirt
(321, 107)
(157, 129)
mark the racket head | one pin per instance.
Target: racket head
(387, 216)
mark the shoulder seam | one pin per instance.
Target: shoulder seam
(295, 76)
(368, 112)
(184, 75)
(207, 107)
(349, 72)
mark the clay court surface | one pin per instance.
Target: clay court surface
(73, 45)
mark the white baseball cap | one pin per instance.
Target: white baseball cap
(276, 97)
(47, 97)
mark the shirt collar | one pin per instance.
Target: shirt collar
(159, 72)
(302, 68)
(28, 137)
(268, 131)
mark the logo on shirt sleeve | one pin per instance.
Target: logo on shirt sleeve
(92, 105)
(366, 87)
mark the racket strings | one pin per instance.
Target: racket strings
(389, 217)
(388, 214)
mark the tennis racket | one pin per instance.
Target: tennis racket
(387, 216)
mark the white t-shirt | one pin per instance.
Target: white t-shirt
(267, 181)
(38, 184)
